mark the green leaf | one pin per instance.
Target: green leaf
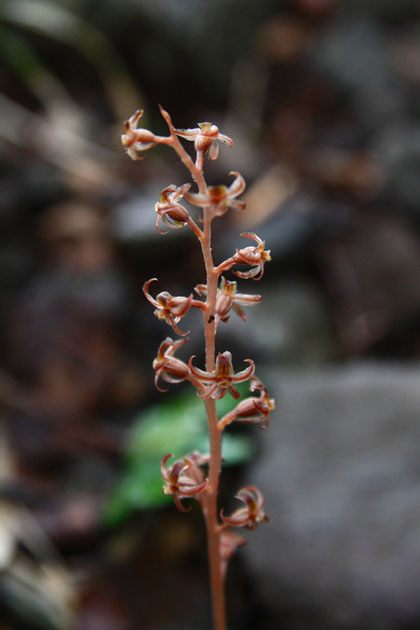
(177, 426)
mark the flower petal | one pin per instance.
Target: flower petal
(196, 199)
(214, 150)
(238, 185)
(146, 286)
(201, 374)
(225, 139)
(187, 134)
(163, 461)
(245, 374)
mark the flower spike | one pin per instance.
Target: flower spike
(252, 514)
(185, 478)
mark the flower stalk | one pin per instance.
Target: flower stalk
(186, 478)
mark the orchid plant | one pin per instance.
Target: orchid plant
(196, 475)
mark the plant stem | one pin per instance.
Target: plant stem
(213, 530)
(211, 512)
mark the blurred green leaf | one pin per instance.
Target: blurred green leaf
(177, 426)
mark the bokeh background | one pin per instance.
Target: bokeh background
(322, 98)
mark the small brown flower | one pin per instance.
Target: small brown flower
(172, 213)
(252, 514)
(170, 308)
(205, 138)
(255, 256)
(134, 139)
(168, 367)
(180, 478)
(223, 378)
(220, 198)
(228, 298)
(252, 409)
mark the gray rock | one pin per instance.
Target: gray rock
(291, 326)
(399, 149)
(340, 473)
(355, 54)
(390, 9)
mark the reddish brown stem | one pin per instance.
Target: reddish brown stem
(196, 172)
(213, 530)
(227, 264)
(211, 513)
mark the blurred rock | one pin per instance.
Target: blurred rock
(76, 236)
(315, 8)
(340, 472)
(372, 278)
(391, 9)
(354, 53)
(283, 39)
(291, 325)
(399, 149)
(134, 218)
(270, 191)
(354, 172)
